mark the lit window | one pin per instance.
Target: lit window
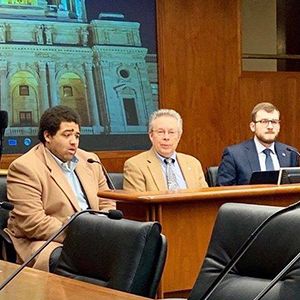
(68, 91)
(24, 90)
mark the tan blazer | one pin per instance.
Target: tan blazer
(44, 200)
(143, 172)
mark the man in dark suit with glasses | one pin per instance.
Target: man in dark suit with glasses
(262, 153)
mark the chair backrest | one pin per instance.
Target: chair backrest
(271, 251)
(119, 254)
(3, 196)
(211, 176)
(4, 214)
(117, 179)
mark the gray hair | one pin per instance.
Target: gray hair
(165, 112)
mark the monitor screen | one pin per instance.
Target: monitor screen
(282, 176)
(290, 175)
(264, 177)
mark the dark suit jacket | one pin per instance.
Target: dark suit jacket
(240, 161)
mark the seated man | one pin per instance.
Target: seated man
(161, 168)
(259, 154)
(50, 183)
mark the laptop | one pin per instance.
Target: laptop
(264, 177)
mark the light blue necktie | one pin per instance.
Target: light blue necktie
(170, 175)
(269, 161)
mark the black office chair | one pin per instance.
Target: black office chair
(211, 176)
(120, 254)
(5, 242)
(117, 179)
(271, 251)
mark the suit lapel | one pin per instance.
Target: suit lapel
(252, 156)
(86, 177)
(283, 155)
(59, 177)
(156, 170)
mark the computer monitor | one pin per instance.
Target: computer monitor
(281, 176)
(264, 177)
(289, 175)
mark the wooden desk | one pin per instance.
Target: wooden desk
(188, 217)
(33, 284)
(3, 172)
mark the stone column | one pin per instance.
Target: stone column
(103, 107)
(64, 3)
(52, 84)
(93, 107)
(4, 105)
(83, 8)
(43, 86)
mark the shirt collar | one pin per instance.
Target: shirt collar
(162, 158)
(67, 166)
(260, 147)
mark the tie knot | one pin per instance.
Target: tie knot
(169, 160)
(267, 152)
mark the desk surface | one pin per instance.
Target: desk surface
(233, 192)
(33, 284)
(3, 172)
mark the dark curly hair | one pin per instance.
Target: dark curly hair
(52, 118)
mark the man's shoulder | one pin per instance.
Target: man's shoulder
(85, 155)
(29, 157)
(240, 146)
(140, 157)
(187, 157)
(283, 146)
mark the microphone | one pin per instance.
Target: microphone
(293, 150)
(112, 214)
(6, 205)
(3, 126)
(110, 182)
(3, 121)
(241, 251)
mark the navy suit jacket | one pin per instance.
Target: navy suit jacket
(240, 161)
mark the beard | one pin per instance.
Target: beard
(267, 138)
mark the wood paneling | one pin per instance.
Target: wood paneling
(112, 160)
(280, 88)
(199, 69)
(200, 77)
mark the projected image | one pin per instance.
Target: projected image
(98, 57)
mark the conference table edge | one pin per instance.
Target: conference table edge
(199, 194)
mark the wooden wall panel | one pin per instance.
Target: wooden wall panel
(199, 69)
(112, 160)
(282, 89)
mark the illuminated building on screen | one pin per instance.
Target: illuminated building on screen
(51, 55)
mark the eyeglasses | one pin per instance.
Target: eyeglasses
(162, 133)
(265, 122)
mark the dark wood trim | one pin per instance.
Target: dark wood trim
(113, 160)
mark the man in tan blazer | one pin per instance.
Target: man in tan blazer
(50, 183)
(149, 171)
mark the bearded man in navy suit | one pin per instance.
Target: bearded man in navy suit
(261, 153)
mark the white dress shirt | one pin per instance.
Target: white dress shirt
(262, 156)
